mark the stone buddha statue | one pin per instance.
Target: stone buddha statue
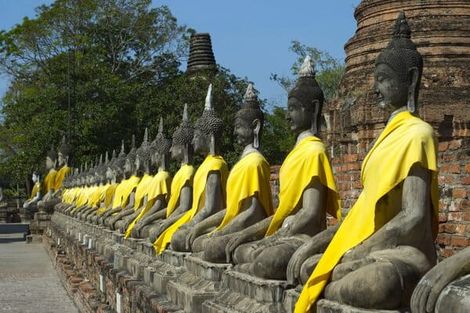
(307, 191)
(159, 191)
(110, 174)
(386, 243)
(63, 163)
(209, 180)
(49, 180)
(31, 205)
(124, 195)
(142, 170)
(445, 288)
(158, 218)
(249, 198)
(97, 192)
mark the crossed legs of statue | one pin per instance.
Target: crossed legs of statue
(383, 280)
(267, 258)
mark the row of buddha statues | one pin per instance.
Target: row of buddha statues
(373, 258)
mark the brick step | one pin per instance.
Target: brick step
(258, 289)
(234, 302)
(206, 270)
(189, 291)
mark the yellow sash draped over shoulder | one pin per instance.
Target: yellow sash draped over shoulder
(123, 191)
(158, 186)
(61, 174)
(184, 176)
(212, 163)
(308, 160)
(142, 190)
(107, 198)
(49, 180)
(406, 140)
(249, 177)
(36, 189)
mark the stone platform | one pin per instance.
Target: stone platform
(126, 275)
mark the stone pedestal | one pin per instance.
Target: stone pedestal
(326, 306)
(40, 222)
(200, 282)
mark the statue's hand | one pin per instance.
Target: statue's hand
(192, 235)
(429, 288)
(359, 252)
(299, 257)
(233, 243)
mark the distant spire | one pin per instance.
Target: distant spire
(307, 69)
(208, 103)
(201, 56)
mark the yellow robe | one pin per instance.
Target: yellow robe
(405, 141)
(184, 176)
(49, 180)
(61, 174)
(308, 160)
(210, 164)
(249, 177)
(142, 190)
(36, 189)
(123, 191)
(158, 186)
(107, 198)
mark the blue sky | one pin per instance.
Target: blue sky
(249, 37)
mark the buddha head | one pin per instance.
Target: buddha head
(249, 120)
(143, 155)
(182, 138)
(162, 147)
(51, 159)
(129, 163)
(305, 101)
(63, 153)
(398, 70)
(119, 164)
(110, 173)
(208, 130)
(35, 177)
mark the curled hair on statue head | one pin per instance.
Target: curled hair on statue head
(209, 123)
(184, 133)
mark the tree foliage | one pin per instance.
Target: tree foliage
(97, 71)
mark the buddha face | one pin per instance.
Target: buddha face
(128, 166)
(390, 88)
(49, 163)
(177, 152)
(35, 178)
(299, 117)
(62, 159)
(201, 142)
(244, 131)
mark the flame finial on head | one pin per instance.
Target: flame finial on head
(401, 28)
(307, 68)
(208, 103)
(160, 126)
(106, 157)
(146, 135)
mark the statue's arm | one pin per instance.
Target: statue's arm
(185, 201)
(245, 218)
(405, 227)
(213, 198)
(429, 288)
(156, 212)
(311, 218)
(131, 202)
(317, 244)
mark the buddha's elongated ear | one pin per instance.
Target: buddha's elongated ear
(413, 90)
(316, 116)
(256, 133)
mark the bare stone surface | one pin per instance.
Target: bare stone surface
(28, 281)
(326, 306)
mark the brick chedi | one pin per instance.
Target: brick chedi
(201, 56)
(441, 31)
